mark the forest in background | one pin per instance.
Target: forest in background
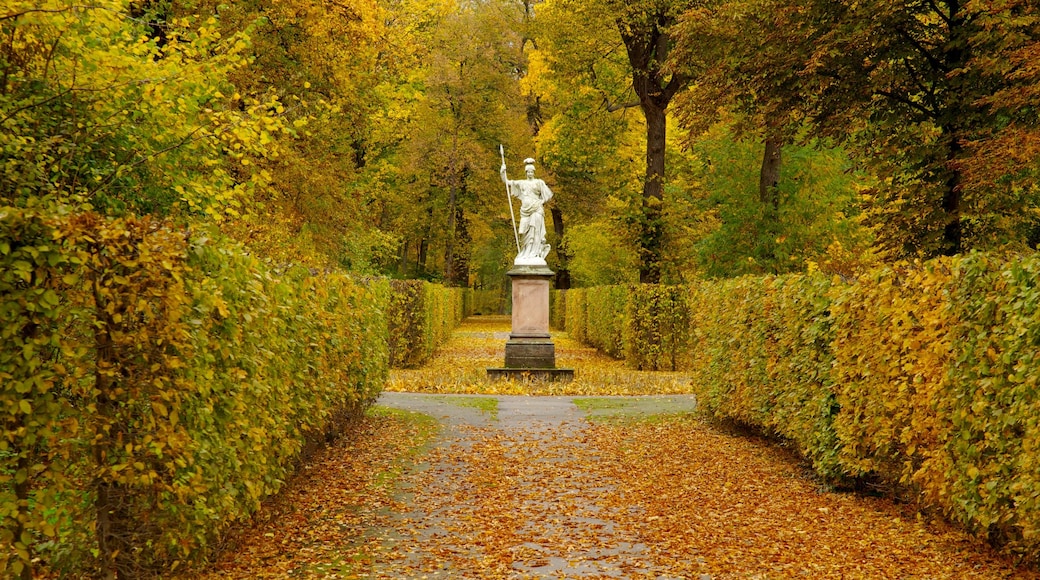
(683, 139)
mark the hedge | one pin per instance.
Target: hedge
(605, 318)
(156, 385)
(646, 325)
(763, 357)
(656, 328)
(920, 377)
(421, 317)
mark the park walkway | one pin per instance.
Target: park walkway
(576, 484)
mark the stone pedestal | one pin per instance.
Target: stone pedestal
(529, 345)
(530, 351)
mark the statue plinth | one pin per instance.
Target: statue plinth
(530, 352)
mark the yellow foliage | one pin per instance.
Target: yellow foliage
(460, 366)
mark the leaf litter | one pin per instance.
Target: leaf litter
(665, 496)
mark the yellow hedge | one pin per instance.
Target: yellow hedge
(647, 325)
(155, 387)
(422, 317)
(605, 318)
(656, 327)
(923, 377)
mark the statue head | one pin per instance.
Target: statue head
(529, 167)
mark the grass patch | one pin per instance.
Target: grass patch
(592, 404)
(422, 429)
(486, 405)
(635, 409)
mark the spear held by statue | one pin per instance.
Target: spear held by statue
(512, 216)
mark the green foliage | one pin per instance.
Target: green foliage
(599, 256)
(98, 111)
(558, 309)
(575, 315)
(815, 206)
(989, 402)
(158, 386)
(33, 403)
(488, 302)
(421, 317)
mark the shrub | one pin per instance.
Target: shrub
(656, 327)
(605, 318)
(157, 387)
(422, 316)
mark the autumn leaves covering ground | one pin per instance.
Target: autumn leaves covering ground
(574, 486)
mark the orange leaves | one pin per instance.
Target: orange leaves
(321, 525)
(669, 498)
(737, 508)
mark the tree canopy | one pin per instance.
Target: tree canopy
(683, 138)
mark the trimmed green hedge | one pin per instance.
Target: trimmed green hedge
(605, 318)
(645, 325)
(922, 377)
(154, 388)
(422, 317)
(656, 333)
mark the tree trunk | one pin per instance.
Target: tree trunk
(651, 236)
(563, 273)
(449, 239)
(420, 258)
(769, 177)
(959, 109)
(953, 232)
(648, 45)
(402, 265)
(460, 269)
(108, 508)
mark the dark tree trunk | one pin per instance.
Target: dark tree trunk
(420, 258)
(769, 177)
(953, 231)
(648, 47)
(460, 269)
(651, 237)
(563, 273)
(959, 109)
(402, 265)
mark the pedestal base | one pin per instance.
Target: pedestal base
(530, 353)
(551, 375)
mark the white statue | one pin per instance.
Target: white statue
(533, 194)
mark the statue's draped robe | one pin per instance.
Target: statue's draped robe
(533, 194)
